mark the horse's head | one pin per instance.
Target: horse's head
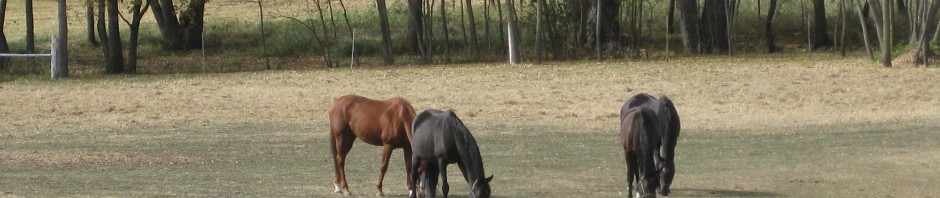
(666, 173)
(648, 184)
(481, 188)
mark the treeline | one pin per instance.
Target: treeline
(436, 31)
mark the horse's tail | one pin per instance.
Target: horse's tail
(649, 136)
(407, 116)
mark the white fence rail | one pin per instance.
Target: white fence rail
(52, 54)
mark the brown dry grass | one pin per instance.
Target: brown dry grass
(711, 93)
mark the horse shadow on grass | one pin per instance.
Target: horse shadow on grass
(720, 193)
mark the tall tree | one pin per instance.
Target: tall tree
(415, 37)
(30, 32)
(714, 26)
(602, 23)
(862, 17)
(114, 60)
(769, 28)
(446, 42)
(90, 19)
(386, 32)
(688, 24)
(474, 44)
(138, 8)
(820, 31)
(670, 17)
(538, 30)
(183, 32)
(62, 55)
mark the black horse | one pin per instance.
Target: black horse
(670, 126)
(639, 133)
(440, 138)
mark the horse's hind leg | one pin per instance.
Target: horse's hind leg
(408, 155)
(632, 173)
(386, 153)
(414, 175)
(443, 168)
(344, 143)
(430, 179)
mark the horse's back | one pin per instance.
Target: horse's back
(368, 119)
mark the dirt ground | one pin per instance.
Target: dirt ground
(855, 122)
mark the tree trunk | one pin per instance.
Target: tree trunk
(886, 28)
(502, 33)
(386, 33)
(714, 28)
(137, 13)
(513, 34)
(30, 31)
(769, 28)
(416, 28)
(670, 17)
(602, 23)
(62, 59)
(927, 32)
(820, 35)
(688, 24)
(103, 31)
(446, 42)
(115, 56)
(538, 31)
(183, 32)
(474, 43)
(90, 19)
(861, 19)
(164, 12)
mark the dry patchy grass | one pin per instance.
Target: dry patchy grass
(768, 125)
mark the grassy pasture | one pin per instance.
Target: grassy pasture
(799, 125)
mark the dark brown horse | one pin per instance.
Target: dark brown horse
(670, 126)
(639, 134)
(385, 123)
(440, 138)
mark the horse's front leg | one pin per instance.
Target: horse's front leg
(386, 153)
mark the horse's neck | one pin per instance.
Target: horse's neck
(469, 154)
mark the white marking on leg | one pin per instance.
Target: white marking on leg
(336, 190)
(411, 193)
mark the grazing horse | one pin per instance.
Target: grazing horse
(440, 138)
(639, 133)
(670, 126)
(385, 123)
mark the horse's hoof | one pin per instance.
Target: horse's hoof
(347, 193)
(379, 194)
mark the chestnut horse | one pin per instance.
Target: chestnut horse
(385, 123)
(639, 133)
(440, 138)
(670, 126)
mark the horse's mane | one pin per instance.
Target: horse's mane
(467, 144)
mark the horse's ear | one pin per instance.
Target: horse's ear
(488, 179)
